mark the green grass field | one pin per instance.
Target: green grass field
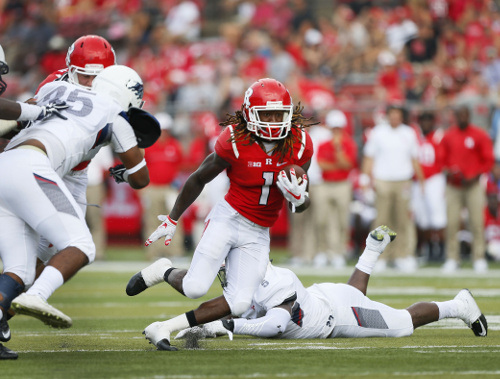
(106, 339)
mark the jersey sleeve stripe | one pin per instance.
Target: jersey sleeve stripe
(233, 143)
(303, 147)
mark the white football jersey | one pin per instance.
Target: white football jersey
(93, 121)
(312, 314)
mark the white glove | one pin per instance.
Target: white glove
(210, 330)
(214, 329)
(166, 229)
(53, 109)
(294, 192)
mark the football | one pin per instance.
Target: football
(299, 171)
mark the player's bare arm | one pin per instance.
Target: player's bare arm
(132, 159)
(212, 166)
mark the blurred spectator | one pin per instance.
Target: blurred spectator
(96, 193)
(164, 160)
(491, 69)
(281, 63)
(492, 221)
(390, 158)
(184, 20)
(429, 205)
(423, 47)
(55, 57)
(400, 30)
(336, 158)
(476, 97)
(305, 237)
(468, 154)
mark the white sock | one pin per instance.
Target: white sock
(177, 323)
(367, 261)
(447, 309)
(1, 314)
(50, 280)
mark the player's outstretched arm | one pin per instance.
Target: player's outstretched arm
(212, 166)
(270, 325)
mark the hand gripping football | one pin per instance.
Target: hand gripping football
(299, 171)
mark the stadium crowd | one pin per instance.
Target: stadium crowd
(424, 57)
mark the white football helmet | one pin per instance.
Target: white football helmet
(4, 69)
(122, 84)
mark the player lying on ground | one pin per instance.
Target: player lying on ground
(283, 308)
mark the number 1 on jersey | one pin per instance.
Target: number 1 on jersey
(268, 181)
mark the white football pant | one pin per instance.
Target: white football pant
(245, 247)
(34, 201)
(356, 316)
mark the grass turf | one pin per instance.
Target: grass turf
(106, 339)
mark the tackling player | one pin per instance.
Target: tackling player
(11, 112)
(86, 57)
(262, 138)
(37, 202)
(282, 307)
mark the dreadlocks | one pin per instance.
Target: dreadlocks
(284, 147)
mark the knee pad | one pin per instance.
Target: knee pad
(9, 290)
(238, 308)
(194, 290)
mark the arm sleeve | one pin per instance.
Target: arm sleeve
(270, 325)
(122, 136)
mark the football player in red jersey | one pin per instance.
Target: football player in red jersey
(86, 57)
(266, 135)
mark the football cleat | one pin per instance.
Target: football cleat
(35, 306)
(379, 238)
(158, 334)
(4, 330)
(148, 277)
(6, 353)
(471, 314)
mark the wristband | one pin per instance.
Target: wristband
(136, 168)
(172, 220)
(29, 111)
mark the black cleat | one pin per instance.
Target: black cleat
(136, 285)
(480, 326)
(4, 330)
(148, 277)
(6, 353)
(164, 344)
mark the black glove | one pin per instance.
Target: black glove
(51, 109)
(118, 173)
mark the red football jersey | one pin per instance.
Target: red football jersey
(56, 75)
(430, 153)
(253, 173)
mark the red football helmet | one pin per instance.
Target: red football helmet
(268, 94)
(89, 55)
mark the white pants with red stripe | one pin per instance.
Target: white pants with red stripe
(34, 201)
(356, 316)
(244, 246)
